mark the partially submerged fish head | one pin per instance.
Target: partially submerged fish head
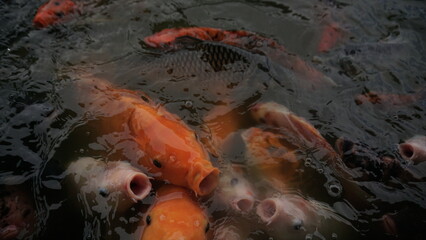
(53, 11)
(175, 216)
(235, 190)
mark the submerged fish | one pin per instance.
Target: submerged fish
(175, 215)
(331, 35)
(171, 149)
(245, 40)
(219, 71)
(287, 143)
(17, 213)
(393, 100)
(52, 12)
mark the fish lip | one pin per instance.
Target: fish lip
(267, 210)
(203, 180)
(243, 204)
(138, 186)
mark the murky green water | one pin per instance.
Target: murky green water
(43, 128)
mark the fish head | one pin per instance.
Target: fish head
(234, 189)
(273, 153)
(175, 216)
(52, 12)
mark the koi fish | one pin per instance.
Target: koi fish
(295, 217)
(216, 68)
(17, 214)
(331, 35)
(102, 183)
(245, 40)
(366, 162)
(52, 12)
(171, 150)
(175, 215)
(395, 100)
(287, 143)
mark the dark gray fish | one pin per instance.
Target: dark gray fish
(216, 66)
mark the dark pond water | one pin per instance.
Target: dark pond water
(44, 125)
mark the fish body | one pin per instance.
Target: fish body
(272, 156)
(249, 41)
(175, 215)
(220, 70)
(53, 11)
(240, 38)
(171, 150)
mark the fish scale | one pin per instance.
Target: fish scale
(208, 62)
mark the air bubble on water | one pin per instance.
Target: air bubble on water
(308, 162)
(188, 104)
(320, 170)
(308, 237)
(334, 189)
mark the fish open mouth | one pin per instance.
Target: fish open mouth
(267, 210)
(138, 186)
(203, 180)
(406, 150)
(209, 183)
(244, 204)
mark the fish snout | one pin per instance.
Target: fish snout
(203, 179)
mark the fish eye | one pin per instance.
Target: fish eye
(148, 220)
(157, 163)
(207, 227)
(297, 224)
(57, 3)
(59, 14)
(234, 181)
(103, 192)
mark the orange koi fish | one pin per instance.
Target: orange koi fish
(171, 149)
(331, 35)
(175, 215)
(395, 100)
(242, 39)
(53, 12)
(288, 142)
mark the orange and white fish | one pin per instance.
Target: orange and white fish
(53, 11)
(171, 150)
(107, 185)
(175, 215)
(287, 143)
